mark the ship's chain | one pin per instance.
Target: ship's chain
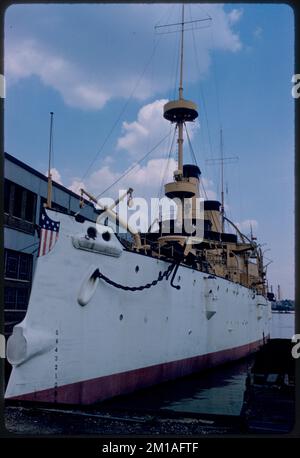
(172, 268)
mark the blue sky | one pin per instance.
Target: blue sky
(94, 64)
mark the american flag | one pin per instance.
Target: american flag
(48, 233)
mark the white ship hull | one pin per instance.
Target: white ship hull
(123, 340)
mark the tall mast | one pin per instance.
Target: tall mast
(179, 112)
(180, 124)
(49, 190)
(181, 55)
(222, 179)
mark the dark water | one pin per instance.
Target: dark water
(218, 391)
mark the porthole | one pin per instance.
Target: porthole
(121, 317)
(91, 232)
(106, 236)
(137, 269)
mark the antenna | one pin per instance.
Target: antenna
(222, 161)
(49, 190)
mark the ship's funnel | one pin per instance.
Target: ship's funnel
(192, 173)
(213, 214)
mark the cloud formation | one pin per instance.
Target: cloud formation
(55, 174)
(28, 58)
(146, 178)
(101, 63)
(148, 129)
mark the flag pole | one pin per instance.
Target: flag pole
(49, 190)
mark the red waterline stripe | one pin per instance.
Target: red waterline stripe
(98, 389)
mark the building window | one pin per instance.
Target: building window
(30, 207)
(11, 264)
(18, 266)
(22, 298)
(10, 295)
(6, 196)
(19, 202)
(17, 285)
(17, 197)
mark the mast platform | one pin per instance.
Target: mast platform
(180, 111)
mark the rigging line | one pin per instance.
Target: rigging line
(134, 165)
(165, 170)
(202, 96)
(214, 67)
(167, 164)
(122, 110)
(190, 145)
(175, 73)
(168, 13)
(201, 181)
(205, 112)
(211, 213)
(192, 150)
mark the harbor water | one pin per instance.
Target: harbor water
(218, 391)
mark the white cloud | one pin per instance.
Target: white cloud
(245, 226)
(148, 129)
(147, 178)
(76, 185)
(28, 58)
(234, 15)
(55, 174)
(107, 58)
